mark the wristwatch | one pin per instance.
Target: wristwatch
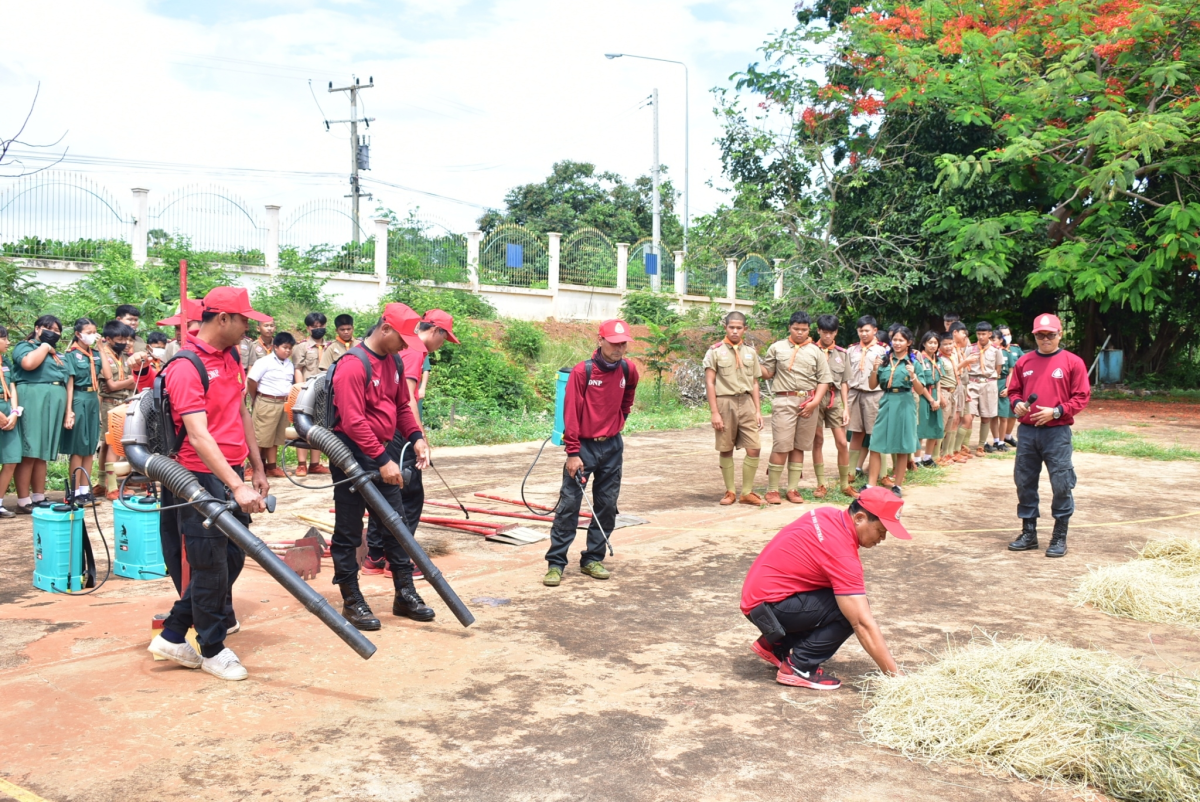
(1058, 412)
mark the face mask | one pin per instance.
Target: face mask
(318, 334)
(158, 353)
(49, 337)
(1008, 339)
(117, 348)
(89, 339)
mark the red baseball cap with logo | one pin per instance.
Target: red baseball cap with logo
(194, 308)
(615, 331)
(885, 505)
(404, 320)
(1046, 322)
(233, 301)
(443, 321)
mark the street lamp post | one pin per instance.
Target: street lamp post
(686, 123)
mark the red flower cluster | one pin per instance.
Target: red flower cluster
(1114, 48)
(1112, 15)
(810, 119)
(868, 105)
(903, 23)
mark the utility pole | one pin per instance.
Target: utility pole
(656, 204)
(360, 148)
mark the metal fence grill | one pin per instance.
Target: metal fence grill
(513, 256)
(636, 277)
(320, 234)
(707, 279)
(54, 215)
(213, 221)
(422, 248)
(755, 278)
(588, 259)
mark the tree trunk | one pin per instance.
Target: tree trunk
(1092, 328)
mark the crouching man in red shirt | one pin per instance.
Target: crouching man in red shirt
(805, 591)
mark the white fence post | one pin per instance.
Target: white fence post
(141, 224)
(271, 257)
(622, 266)
(778, 279)
(555, 250)
(680, 275)
(474, 238)
(731, 281)
(381, 253)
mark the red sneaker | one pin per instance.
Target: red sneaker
(763, 650)
(317, 468)
(379, 566)
(816, 680)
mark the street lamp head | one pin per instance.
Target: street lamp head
(611, 56)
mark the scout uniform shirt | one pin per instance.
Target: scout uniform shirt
(737, 371)
(797, 368)
(336, 350)
(862, 365)
(254, 350)
(985, 368)
(118, 367)
(839, 365)
(949, 368)
(306, 356)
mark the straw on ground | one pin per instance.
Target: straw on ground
(1047, 712)
(1160, 585)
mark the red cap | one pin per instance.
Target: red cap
(194, 308)
(232, 300)
(884, 505)
(404, 320)
(615, 331)
(1046, 322)
(443, 321)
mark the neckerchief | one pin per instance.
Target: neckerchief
(4, 385)
(348, 343)
(268, 345)
(104, 349)
(737, 351)
(86, 351)
(796, 350)
(862, 365)
(893, 362)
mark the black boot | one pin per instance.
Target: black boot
(1058, 539)
(409, 604)
(1028, 539)
(356, 610)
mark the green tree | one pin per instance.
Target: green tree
(664, 344)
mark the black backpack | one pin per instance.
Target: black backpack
(173, 438)
(587, 372)
(331, 415)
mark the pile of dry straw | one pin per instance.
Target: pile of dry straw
(1050, 713)
(1160, 585)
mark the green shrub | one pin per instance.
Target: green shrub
(523, 340)
(478, 373)
(458, 303)
(644, 306)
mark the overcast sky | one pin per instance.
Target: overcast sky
(470, 98)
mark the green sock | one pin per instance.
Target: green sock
(937, 450)
(983, 432)
(110, 478)
(963, 434)
(726, 464)
(853, 458)
(773, 473)
(843, 476)
(749, 469)
(819, 470)
(795, 473)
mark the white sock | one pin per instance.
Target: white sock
(24, 502)
(81, 491)
(38, 497)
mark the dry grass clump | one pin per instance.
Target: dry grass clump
(1160, 585)
(1047, 712)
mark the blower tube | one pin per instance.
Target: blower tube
(179, 481)
(339, 454)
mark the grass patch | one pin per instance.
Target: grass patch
(1161, 585)
(1159, 397)
(1125, 444)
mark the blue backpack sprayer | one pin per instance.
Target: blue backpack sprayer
(63, 561)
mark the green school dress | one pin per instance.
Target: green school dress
(896, 425)
(10, 441)
(930, 425)
(82, 439)
(43, 395)
(1011, 356)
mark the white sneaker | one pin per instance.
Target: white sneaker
(181, 653)
(233, 630)
(224, 666)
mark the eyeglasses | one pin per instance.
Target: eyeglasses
(1045, 335)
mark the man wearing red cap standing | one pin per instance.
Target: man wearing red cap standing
(375, 421)
(599, 397)
(806, 593)
(218, 437)
(1047, 389)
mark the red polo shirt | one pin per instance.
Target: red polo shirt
(222, 404)
(817, 550)
(413, 359)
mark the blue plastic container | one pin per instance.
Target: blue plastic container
(560, 401)
(139, 548)
(1112, 366)
(58, 549)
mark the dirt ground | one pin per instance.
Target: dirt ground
(638, 688)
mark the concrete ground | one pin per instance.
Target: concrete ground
(638, 688)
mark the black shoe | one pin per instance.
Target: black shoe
(409, 604)
(1028, 539)
(896, 489)
(989, 449)
(1058, 539)
(1012, 441)
(356, 610)
(1001, 447)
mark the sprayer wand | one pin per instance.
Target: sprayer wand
(582, 482)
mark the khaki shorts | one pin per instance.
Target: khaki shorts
(741, 422)
(789, 431)
(270, 422)
(950, 408)
(984, 399)
(864, 407)
(107, 405)
(833, 415)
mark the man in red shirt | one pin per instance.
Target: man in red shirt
(806, 594)
(375, 421)
(599, 396)
(1047, 389)
(218, 437)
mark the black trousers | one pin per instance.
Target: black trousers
(1050, 445)
(815, 627)
(215, 562)
(412, 495)
(603, 461)
(348, 527)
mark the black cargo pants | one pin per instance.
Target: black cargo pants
(412, 495)
(1050, 445)
(815, 625)
(348, 521)
(603, 460)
